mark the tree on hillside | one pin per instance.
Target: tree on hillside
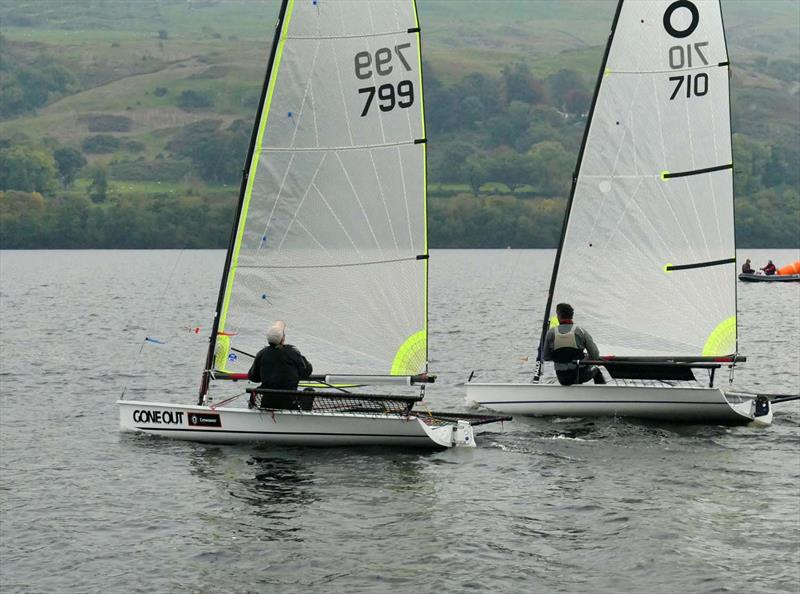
(24, 86)
(512, 169)
(519, 84)
(98, 188)
(68, 161)
(750, 159)
(100, 143)
(509, 126)
(218, 155)
(194, 100)
(26, 169)
(448, 161)
(553, 168)
(476, 172)
(22, 220)
(566, 89)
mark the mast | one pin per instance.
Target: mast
(424, 180)
(331, 222)
(576, 173)
(649, 226)
(733, 190)
(242, 190)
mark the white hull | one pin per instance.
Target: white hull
(670, 404)
(284, 427)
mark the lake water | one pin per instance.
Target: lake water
(541, 505)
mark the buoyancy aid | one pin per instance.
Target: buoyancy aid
(565, 346)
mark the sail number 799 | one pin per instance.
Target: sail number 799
(383, 63)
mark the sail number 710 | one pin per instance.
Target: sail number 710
(382, 63)
(688, 56)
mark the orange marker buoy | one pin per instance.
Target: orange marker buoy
(793, 268)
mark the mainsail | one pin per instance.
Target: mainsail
(331, 231)
(647, 251)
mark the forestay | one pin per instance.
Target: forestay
(331, 237)
(648, 250)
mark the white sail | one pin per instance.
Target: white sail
(331, 237)
(647, 254)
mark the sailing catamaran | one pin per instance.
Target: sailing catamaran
(330, 236)
(647, 251)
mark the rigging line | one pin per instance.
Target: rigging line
(310, 313)
(655, 231)
(355, 247)
(692, 172)
(671, 70)
(350, 147)
(662, 190)
(697, 218)
(701, 288)
(669, 305)
(620, 218)
(314, 239)
(339, 345)
(371, 20)
(302, 200)
(216, 405)
(711, 183)
(702, 264)
(373, 75)
(396, 16)
(337, 219)
(660, 123)
(693, 200)
(326, 251)
(314, 111)
(375, 282)
(159, 310)
(631, 126)
(408, 214)
(341, 92)
(359, 36)
(358, 200)
(419, 98)
(383, 199)
(346, 265)
(275, 202)
(670, 344)
(305, 95)
(348, 330)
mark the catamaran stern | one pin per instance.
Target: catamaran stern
(290, 427)
(666, 404)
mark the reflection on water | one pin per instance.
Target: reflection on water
(605, 505)
(279, 490)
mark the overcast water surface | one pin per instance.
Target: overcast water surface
(564, 505)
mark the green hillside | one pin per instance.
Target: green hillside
(125, 122)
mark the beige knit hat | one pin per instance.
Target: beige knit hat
(276, 333)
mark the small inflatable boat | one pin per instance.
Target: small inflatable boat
(785, 274)
(772, 278)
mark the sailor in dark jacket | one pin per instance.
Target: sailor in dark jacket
(279, 366)
(568, 343)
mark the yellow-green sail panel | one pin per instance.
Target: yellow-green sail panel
(332, 236)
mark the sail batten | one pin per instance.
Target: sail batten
(648, 233)
(333, 220)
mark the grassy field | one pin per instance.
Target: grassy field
(123, 50)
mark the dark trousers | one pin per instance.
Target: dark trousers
(286, 401)
(581, 375)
